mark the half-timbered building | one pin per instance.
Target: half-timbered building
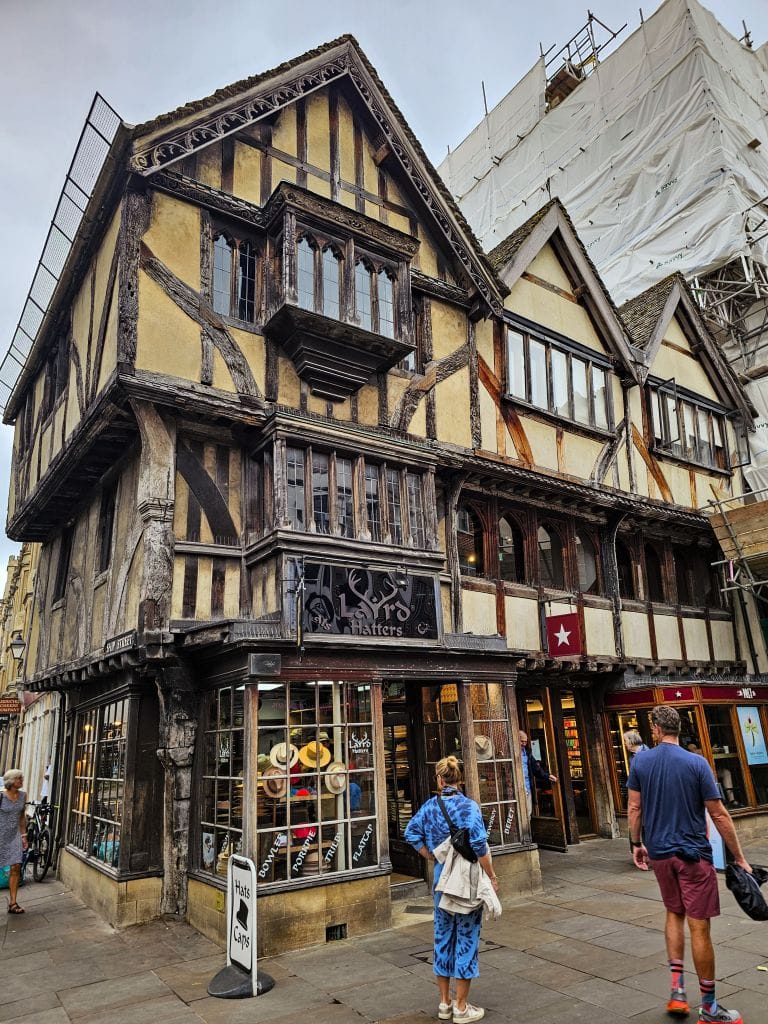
(312, 476)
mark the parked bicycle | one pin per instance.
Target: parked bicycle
(39, 850)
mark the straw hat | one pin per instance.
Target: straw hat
(314, 755)
(263, 762)
(483, 747)
(336, 777)
(283, 755)
(275, 783)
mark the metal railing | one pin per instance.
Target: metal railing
(98, 132)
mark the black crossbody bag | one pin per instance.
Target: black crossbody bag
(459, 836)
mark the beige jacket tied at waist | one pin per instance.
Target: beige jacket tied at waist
(464, 886)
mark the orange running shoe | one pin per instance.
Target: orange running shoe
(678, 1003)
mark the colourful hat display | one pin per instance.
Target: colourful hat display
(336, 777)
(284, 755)
(483, 747)
(275, 783)
(314, 755)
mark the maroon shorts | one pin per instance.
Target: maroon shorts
(688, 888)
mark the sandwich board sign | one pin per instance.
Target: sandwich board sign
(240, 978)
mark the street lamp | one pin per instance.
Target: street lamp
(17, 645)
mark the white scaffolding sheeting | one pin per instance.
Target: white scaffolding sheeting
(650, 153)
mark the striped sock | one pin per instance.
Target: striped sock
(708, 1001)
(676, 970)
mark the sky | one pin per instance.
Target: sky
(146, 57)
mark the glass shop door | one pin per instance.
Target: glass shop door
(403, 795)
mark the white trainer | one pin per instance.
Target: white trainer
(468, 1015)
(445, 1011)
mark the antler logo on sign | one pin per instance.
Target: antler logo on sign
(563, 635)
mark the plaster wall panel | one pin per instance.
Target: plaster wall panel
(452, 395)
(542, 438)
(318, 136)
(177, 588)
(209, 165)
(247, 173)
(418, 424)
(667, 637)
(484, 340)
(168, 342)
(445, 606)
(368, 404)
(522, 617)
(637, 635)
(347, 198)
(549, 309)
(319, 185)
(372, 210)
(449, 329)
(479, 610)
(696, 644)
(45, 447)
(346, 146)
(723, 641)
(97, 615)
(232, 589)
(289, 388)
(203, 602)
(282, 171)
(235, 487)
(401, 223)
(316, 404)
(180, 508)
(284, 131)
(109, 354)
(580, 455)
(488, 423)
(426, 257)
(252, 347)
(685, 368)
(598, 626)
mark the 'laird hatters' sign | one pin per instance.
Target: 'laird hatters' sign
(346, 601)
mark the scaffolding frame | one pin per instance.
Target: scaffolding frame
(739, 575)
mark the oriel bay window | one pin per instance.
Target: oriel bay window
(315, 793)
(234, 277)
(319, 275)
(559, 377)
(687, 427)
(322, 497)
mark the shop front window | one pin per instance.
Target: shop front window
(753, 737)
(722, 739)
(315, 805)
(619, 723)
(221, 826)
(442, 734)
(98, 789)
(495, 767)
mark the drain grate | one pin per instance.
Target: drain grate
(335, 931)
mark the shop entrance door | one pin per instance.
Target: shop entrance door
(403, 789)
(548, 827)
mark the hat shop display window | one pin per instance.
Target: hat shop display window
(98, 784)
(221, 832)
(495, 766)
(315, 796)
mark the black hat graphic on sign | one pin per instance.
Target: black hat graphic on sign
(242, 915)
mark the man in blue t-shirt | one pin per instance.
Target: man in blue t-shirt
(669, 791)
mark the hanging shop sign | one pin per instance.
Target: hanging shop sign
(563, 635)
(9, 706)
(752, 734)
(353, 601)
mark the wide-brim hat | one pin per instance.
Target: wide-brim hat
(483, 747)
(314, 755)
(275, 783)
(336, 777)
(263, 762)
(283, 755)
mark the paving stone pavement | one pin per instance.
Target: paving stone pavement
(588, 949)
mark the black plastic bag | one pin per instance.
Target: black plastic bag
(746, 890)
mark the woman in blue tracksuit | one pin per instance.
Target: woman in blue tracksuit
(457, 936)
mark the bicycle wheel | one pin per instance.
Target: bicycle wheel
(44, 854)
